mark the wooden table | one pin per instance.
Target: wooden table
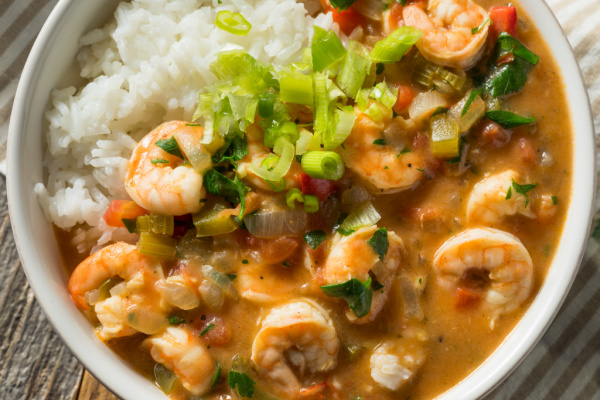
(34, 362)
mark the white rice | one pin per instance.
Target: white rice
(145, 67)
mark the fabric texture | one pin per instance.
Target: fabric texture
(566, 362)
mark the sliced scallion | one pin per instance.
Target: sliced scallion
(233, 23)
(344, 122)
(394, 46)
(285, 152)
(265, 104)
(364, 215)
(355, 68)
(323, 165)
(296, 88)
(326, 49)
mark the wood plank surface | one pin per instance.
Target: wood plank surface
(34, 363)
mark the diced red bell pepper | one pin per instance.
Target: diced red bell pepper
(347, 19)
(322, 188)
(466, 298)
(118, 210)
(504, 19)
(405, 97)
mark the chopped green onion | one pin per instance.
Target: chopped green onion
(265, 104)
(285, 150)
(303, 142)
(296, 88)
(208, 222)
(508, 119)
(445, 136)
(159, 161)
(323, 165)
(374, 111)
(311, 202)
(362, 216)
(344, 122)
(384, 94)
(175, 320)
(326, 49)
(355, 68)
(287, 130)
(156, 245)
(394, 46)
(322, 116)
(163, 224)
(233, 23)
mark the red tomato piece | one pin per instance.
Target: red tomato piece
(405, 97)
(466, 298)
(348, 19)
(504, 19)
(118, 210)
(395, 16)
(322, 188)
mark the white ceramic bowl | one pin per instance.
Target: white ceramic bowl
(51, 65)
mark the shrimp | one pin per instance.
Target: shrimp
(396, 361)
(504, 260)
(301, 332)
(382, 168)
(495, 197)
(161, 182)
(353, 257)
(257, 153)
(183, 353)
(447, 25)
(119, 259)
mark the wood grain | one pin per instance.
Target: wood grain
(34, 363)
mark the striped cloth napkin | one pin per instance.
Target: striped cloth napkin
(566, 362)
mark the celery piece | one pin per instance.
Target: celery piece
(165, 379)
(156, 245)
(162, 224)
(444, 136)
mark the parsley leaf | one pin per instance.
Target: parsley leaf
(357, 294)
(472, 96)
(234, 191)
(596, 232)
(315, 238)
(379, 142)
(379, 242)
(216, 376)
(402, 2)
(523, 189)
(508, 119)
(170, 146)
(480, 27)
(380, 67)
(231, 276)
(129, 224)
(461, 148)
(175, 320)
(207, 329)
(439, 110)
(342, 5)
(234, 150)
(554, 200)
(509, 193)
(245, 385)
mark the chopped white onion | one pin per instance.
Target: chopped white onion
(146, 320)
(276, 223)
(371, 9)
(92, 297)
(425, 104)
(211, 295)
(546, 160)
(177, 294)
(410, 298)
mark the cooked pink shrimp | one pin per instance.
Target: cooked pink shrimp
(353, 257)
(300, 333)
(181, 351)
(161, 182)
(500, 255)
(119, 259)
(383, 168)
(447, 24)
(257, 153)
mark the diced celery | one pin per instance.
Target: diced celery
(163, 224)
(156, 245)
(444, 136)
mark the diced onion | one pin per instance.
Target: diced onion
(276, 223)
(410, 298)
(211, 294)
(473, 114)
(364, 215)
(177, 294)
(222, 281)
(425, 104)
(146, 320)
(354, 196)
(371, 9)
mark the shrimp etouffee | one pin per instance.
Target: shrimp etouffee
(346, 226)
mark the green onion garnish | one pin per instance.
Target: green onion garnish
(265, 104)
(323, 165)
(233, 23)
(326, 49)
(296, 88)
(207, 329)
(364, 215)
(392, 48)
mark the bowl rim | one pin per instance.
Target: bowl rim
(472, 386)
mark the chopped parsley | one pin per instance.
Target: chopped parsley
(439, 110)
(379, 242)
(129, 224)
(379, 142)
(170, 146)
(159, 161)
(231, 276)
(245, 385)
(234, 191)
(380, 67)
(480, 27)
(357, 294)
(523, 189)
(509, 193)
(175, 320)
(218, 370)
(472, 96)
(245, 262)
(508, 119)
(554, 200)
(315, 238)
(342, 5)
(286, 264)
(207, 329)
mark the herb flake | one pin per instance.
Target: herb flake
(357, 294)
(508, 119)
(207, 329)
(159, 161)
(379, 242)
(315, 238)
(175, 320)
(245, 385)
(379, 142)
(170, 146)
